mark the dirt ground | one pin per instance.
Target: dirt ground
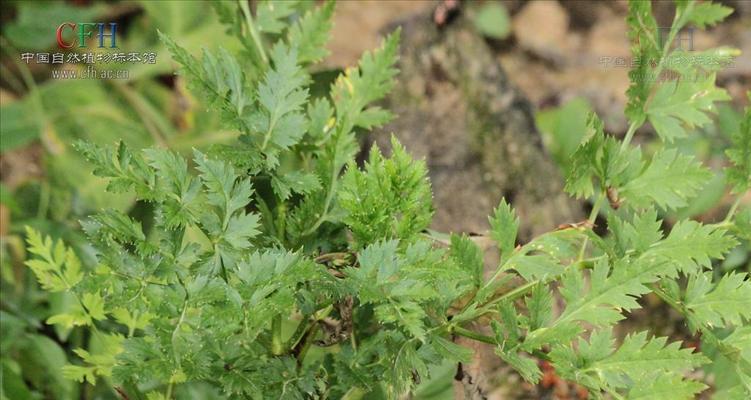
(557, 50)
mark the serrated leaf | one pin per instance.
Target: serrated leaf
(664, 386)
(691, 245)
(58, 268)
(125, 169)
(545, 255)
(526, 367)
(97, 363)
(504, 225)
(94, 304)
(311, 33)
(179, 208)
(320, 118)
(668, 181)
(451, 350)
(120, 227)
(739, 175)
(371, 80)
(279, 122)
(705, 14)
(540, 307)
(676, 104)
(600, 162)
(132, 319)
(643, 33)
(611, 290)
(70, 319)
(240, 229)
(638, 235)
(597, 365)
(726, 302)
(221, 181)
(218, 77)
(270, 15)
(294, 182)
(391, 198)
(468, 257)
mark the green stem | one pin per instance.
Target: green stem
(516, 293)
(672, 302)
(44, 200)
(254, 34)
(490, 340)
(612, 392)
(326, 203)
(168, 395)
(277, 346)
(304, 326)
(175, 332)
(156, 128)
(727, 350)
(267, 136)
(354, 393)
(311, 333)
(629, 135)
(51, 143)
(592, 217)
(732, 210)
(522, 290)
(473, 335)
(658, 70)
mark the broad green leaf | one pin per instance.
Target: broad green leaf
(492, 20)
(32, 28)
(563, 128)
(19, 127)
(43, 360)
(294, 182)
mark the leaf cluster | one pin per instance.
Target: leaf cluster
(279, 268)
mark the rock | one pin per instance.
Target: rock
(541, 27)
(357, 25)
(456, 108)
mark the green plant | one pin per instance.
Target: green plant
(266, 272)
(48, 185)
